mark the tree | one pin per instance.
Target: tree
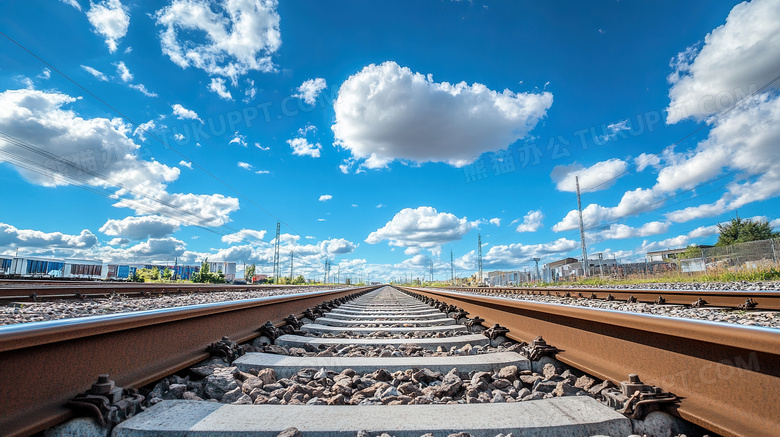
(299, 280)
(155, 274)
(692, 251)
(135, 277)
(249, 273)
(166, 274)
(740, 231)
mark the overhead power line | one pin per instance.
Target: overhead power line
(151, 134)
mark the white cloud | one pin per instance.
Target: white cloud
(513, 255)
(45, 74)
(386, 112)
(423, 227)
(599, 176)
(244, 165)
(167, 247)
(381, 205)
(138, 228)
(745, 142)
(218, 86)
(244, 235)
(337, 246)
(613, 130)
(40, 119)
(94, 72)
(261, 147)
(632, 203)
(185, 164)
(73, 3)
(250, 91)
(775, 223)
(183, 113)
(302, 147)
(325, 197)
(118, 241)
(124, 72)
(110, 19)
(320, 219)
(194, 209)
(262, 172)
(703, 231)
(306, 129)
(646, 159)
(224, 39)
(140, 87)
(411, 251)
(669, 243)
(310, 89)
(10, 236)
(621, 231)
(238, 139)
(495, 221)
(144, 128)
(737, 57)
(531, 222)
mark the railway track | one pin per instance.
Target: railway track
(38, 291)
(744, 299)
(723, 378)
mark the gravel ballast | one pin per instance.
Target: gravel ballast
(26, 312)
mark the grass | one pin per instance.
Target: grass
(712, 275)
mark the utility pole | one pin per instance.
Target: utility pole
(452, 269)
(431, 270)
(479, 244)
(601, 267)
(277, 267)
(338, 274)
(291, 266)
(538, 277)
(582, 230)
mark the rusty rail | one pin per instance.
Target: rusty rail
(44, 364)
(765, 300)
(726, 376)
(67, 290)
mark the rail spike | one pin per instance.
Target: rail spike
(635, 399)
(538, 349)
(226, 349)
(106, 403)
(269, 331)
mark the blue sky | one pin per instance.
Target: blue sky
(383, 135)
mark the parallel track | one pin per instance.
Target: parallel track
(765, 300)
(44, 364)
(23, 292)
(727, 377)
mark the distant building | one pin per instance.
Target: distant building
(669, 254)
(227, 268)
(564, 268)
(572, 268)
(507, 278)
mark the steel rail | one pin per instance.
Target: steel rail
(44, 364)
(766, 300)
(726, 376)
(23, 293)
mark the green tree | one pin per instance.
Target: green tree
(740, 231)
(166, 274)
(692, 251)
(155, 274)
(299, 280)
(249, 273)
(135, 277)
